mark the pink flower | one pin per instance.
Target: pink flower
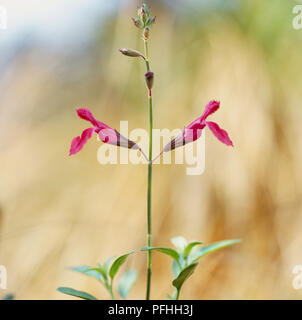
(193, 131)
(105, 133)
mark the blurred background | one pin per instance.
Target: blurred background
(57, 211)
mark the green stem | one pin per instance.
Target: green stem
(109, 287)
(177, 294)
(149, 235)
(111, 293)
(147, 55)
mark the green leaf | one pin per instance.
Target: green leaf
(183, 276)
(89, 271)
(180, 243)
(189, 248)
(117, 264)
(168, 251)
(107, 263)
(213, 247)
(100, 270)
(176, 269)
(76, 293)
(126, 282)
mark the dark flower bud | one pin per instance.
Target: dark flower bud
(149, 77)
(131, 53)
(146, 33)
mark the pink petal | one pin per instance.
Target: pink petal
(189, 134)
(196, 124)
(86, 114)
(108, 135)
(192, 134)
(211, 107)
(219, 133)
(78, 143)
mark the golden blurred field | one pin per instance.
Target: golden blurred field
(58, 211)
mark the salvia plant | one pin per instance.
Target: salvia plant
(186, 255)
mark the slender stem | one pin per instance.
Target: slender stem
(153, 160)
(149, 235)
(109, 288)
(111, 293)
(143, 153)
(147, 55)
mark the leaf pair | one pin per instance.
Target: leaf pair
(105, 274)
(185, 258)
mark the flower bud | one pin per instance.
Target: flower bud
(143, 14)
(131, 53)
(151, 21)
(145, 8)
(149, 77)
(137, 23)
(146, 33)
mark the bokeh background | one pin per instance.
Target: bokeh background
(58, 211)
